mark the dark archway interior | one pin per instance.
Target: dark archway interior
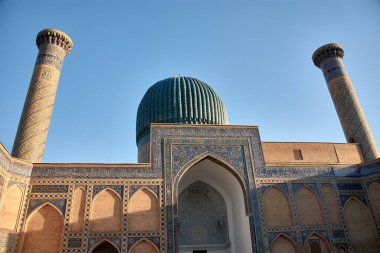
(105, 247)
(315, 246)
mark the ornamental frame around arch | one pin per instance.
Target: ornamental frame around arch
(218, 160)
(356, 199)
(141, 240)
(38, 208)
(287, 198)
(101, 242)
(105, 189)
(143, 188)
(287, 237)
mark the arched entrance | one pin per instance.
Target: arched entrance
(220, 192)
(105, 247)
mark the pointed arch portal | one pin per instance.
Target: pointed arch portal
(210, 178)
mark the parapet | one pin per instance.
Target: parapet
(299, 153)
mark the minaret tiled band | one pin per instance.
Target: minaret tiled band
(34, 124)
(329, 59)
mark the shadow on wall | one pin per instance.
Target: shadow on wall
(297, 203)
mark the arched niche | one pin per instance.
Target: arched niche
(308, 207)
(106, 212)
(78, 204)
(104, 247)
(283, 244)
(276, 208)
(374, 196)
(316, 243)
(44, 230)
(361, 227)
(224, 179)
(11, 207)
(143, 211)
(202, 217)
(143, 246)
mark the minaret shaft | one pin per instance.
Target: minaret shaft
(329, 59)
(34, 123)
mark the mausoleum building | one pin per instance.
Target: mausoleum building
(201, 185)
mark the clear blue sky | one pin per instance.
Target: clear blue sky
(255, 54)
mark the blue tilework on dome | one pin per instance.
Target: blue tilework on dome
(181, 100)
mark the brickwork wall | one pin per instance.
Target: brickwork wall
(106, 213)
(44, 231)
(277, 211)
(10, 207)
(331, 205)
(308, 208)
(144, 246)
(143, 214)
(282, 153)
(361, 227)
(78, 210)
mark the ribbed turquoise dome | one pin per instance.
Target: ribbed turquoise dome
(182, 100)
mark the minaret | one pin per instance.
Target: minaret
(34, 124)
(329, 58)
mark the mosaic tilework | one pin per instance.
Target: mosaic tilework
(74, 243)
(154, 188)
(117, 188)
(273, 235)
(305, 234)
(20, 169)
(95, 240)
(332, 68)
(35, 203)
(344, 198)
(127, 171)
(52, 55)
(50, 188)
(133, 240)
(245, 141)
(339, 233)
(348, 108)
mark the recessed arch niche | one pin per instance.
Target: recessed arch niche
(44, 230)
(104, 247)
(10, 207)
(225, 181)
